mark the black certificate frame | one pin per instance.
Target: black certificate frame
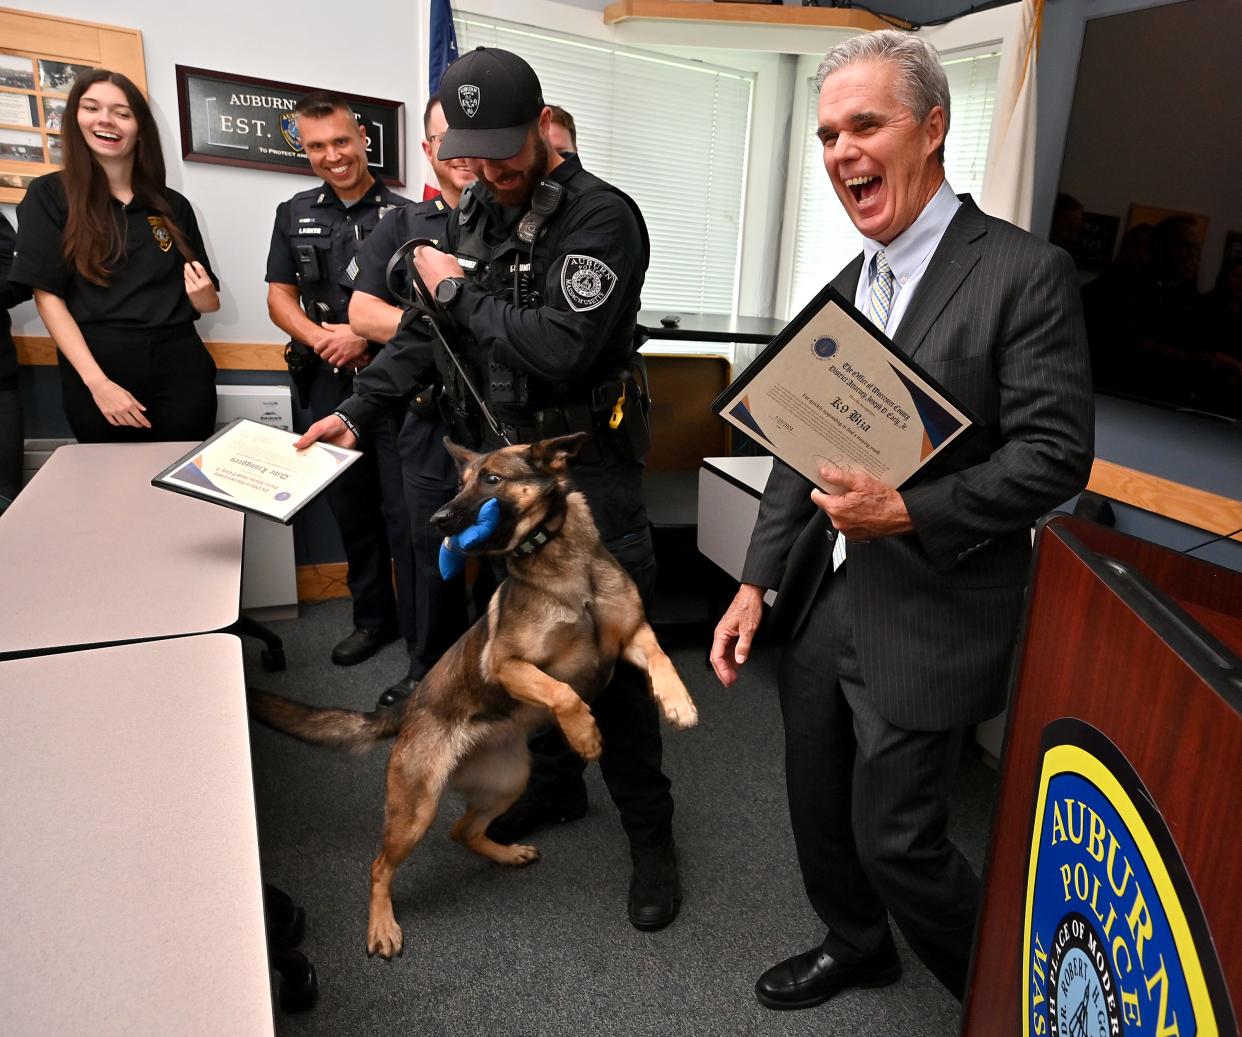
(165, 480)
(252, 127)
(828, 294)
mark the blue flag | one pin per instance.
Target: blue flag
(441, 42)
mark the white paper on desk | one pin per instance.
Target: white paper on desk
(831, 389)
(255, 468)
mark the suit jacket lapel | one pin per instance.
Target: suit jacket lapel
(846, 282)
(959, 250)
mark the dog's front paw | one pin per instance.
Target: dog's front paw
(681, 712)
(583, 737)
(519, 855)
(384, 938)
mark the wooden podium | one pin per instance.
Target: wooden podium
(1113, 897)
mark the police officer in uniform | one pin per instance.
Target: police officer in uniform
(541, 279)
(428, 472)
(315, 241)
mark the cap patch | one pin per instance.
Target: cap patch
(468, 96)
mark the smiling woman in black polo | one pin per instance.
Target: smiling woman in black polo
(119, 274)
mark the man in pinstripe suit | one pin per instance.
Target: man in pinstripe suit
(901, 642)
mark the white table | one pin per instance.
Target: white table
(129, 862)
(729, 492)
(92, 554)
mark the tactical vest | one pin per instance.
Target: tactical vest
(515, 269)
(324, 241)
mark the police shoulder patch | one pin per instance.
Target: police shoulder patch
(586, 282)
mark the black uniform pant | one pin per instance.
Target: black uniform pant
(12, 443)
(369, 507)
(430, 481)
(629, 722)
(167, 370)
(869, 805)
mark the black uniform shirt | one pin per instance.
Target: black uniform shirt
(590, 294)
(146, 288)
(10, 295)
(427, 219)
(319, 219)
(597, 262)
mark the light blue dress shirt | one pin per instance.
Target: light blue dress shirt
(908, 255)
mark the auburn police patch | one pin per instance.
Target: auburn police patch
(160, 233)
(586, 282)
(1115, 942)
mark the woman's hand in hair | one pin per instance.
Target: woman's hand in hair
(118, 406)
(199, 288)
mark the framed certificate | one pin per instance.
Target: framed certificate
(831, 388)
(255, 468)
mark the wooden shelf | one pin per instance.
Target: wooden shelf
(762, 14)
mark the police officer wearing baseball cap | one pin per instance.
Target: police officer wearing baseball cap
(540, 278)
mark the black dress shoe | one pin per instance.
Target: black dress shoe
(811, 978)
(655, 891)
(534, 811)
(363, 643)
(398, 693)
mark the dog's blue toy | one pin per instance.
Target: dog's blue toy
(454, 550)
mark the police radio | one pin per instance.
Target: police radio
(306, 258)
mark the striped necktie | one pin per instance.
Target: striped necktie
(879, 307)
(880, 302)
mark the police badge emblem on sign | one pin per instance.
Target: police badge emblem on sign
(586, 282)
(289, 130)
(1116, 943)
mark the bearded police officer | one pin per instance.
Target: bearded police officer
(316, 237)
(541, 278)
(428, 472)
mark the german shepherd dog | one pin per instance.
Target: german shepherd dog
(547, 646)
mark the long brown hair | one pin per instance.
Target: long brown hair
(93, 239)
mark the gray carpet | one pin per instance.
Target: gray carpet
(547, 950)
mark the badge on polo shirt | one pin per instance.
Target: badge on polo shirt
(586, 282)
(158, 231)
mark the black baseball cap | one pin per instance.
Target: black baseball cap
(490, 98)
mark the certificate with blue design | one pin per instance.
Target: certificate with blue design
(832, 389)
(254, 467)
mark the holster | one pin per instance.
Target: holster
(630, 439)
(301, 361)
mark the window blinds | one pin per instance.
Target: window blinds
(670, 133)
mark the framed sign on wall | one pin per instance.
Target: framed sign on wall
(235, 120)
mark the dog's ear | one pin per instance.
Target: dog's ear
(554, 454)
(459, 454)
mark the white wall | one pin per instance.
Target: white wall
(1158, 125)
(367, 50)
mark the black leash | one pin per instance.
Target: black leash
(422, 300)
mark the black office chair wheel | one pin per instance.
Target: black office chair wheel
(286, 921)
(273, 659)
(298, 989)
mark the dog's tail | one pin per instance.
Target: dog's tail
(337, 728)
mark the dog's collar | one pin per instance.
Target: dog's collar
(537, 540)
(544, 533)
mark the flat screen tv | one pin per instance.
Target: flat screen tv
(1149, 205)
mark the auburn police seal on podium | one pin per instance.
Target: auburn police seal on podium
(1115, 941)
